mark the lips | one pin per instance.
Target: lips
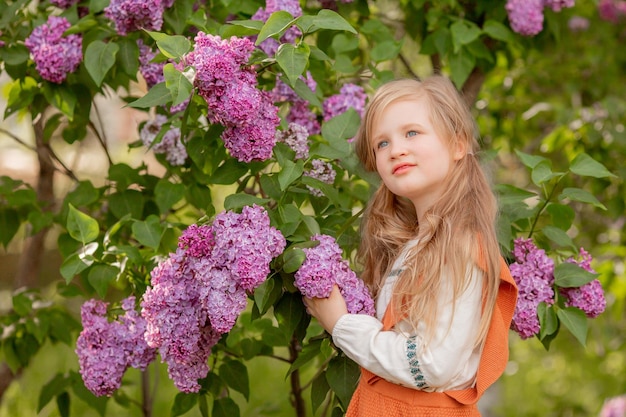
(401, 168)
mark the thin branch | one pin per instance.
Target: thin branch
(18, 140)
(407, 65)
(101, 136)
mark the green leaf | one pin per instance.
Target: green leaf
(509, 194)
(497, 30)
(127, 202)
(528, 160)
(235, 374)
(293, 60)
(575, 321)
(63, 404)
(158, 95)
(558, 236)
(182, 403)
(570, 275)
(289, 311)
(225, 407)
(179, 86)
(542, 172)
(437, 42)
(290, 172)
(342, 376)
(303, 91)
(275, 25)
(319, 391)
(61, 97)
(293, 259)
(54, 387)
(463, 33)
(101, 276)
(22, 303)
(328, 19)
(548, 322)
(266, 294)
(128, 56)
(562, 215)
(309, 351)
(172, 46)
(586, 166)
(461, 66)
(97, 403)
(74, 265)
(577, 194)
(99, 59)
(148, 232)
(166, 194)
(386, 51)
(9, 225)
(234, 201)
(340, 128)
(81, 226)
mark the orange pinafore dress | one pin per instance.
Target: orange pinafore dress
(376, 397)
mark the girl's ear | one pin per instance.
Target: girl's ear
(459, 150)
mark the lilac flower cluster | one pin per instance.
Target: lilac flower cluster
(55, 56)
(229, 87)
(612, 10)
(152, 72)
(323, 268)
(299, 110)
(197, 294)
(589, 297)
(533, 272)
(350, 96)
(132, 15)
(614, 407)
(526, 16)
(332, 4)
(297, 138)
(63, 4)
(106, 348)
(269, 46)
(322, 171)
(170, 144)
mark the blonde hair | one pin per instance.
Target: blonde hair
(455, 234)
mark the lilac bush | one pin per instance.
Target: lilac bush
(589, 297)
(323, 268)
(322, 171)
(299, 108)
(269, 45)
(132, 15)
(350, 96)
(170, 143)
(55, 55)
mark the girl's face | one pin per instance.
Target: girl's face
(411, 158)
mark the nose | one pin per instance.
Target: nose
(397, 149)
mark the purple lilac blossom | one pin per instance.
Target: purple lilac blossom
(152, 72)
(525, 16)
(350, 96)
(614, 407)
(612, 10)
(578, 24)
(197, 294)
(589, 297)
(297, 138)
(323, 268)
(322, 171)
(270, 45)
(132, 15)
(229, 87)
(55, 56)
(64, 4)
(557, 5)
(170, 144)
(533, 272)
(106, 348)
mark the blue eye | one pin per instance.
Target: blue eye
(411, 133)
(382, 144)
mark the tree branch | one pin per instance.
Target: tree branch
(472, 86)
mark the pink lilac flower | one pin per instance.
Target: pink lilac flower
(229, 87)
(106, 348)
(350, 96)
(170, 144)
(55, 56)
(270, 45)
(533, 272)
(557, 5)
(525, 16)
(297, 138)
(589, 297)
(64, 4)
(612, 10)
(132, 15)
(197, 294)
(322, 171)
(614, 407)
(578, 24)
(299, 110)
(323, 268)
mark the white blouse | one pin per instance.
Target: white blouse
(448, 362)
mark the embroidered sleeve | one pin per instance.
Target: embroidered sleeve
(414, 363)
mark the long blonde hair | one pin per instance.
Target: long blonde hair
(457, 232)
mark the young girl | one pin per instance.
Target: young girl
(444, 295)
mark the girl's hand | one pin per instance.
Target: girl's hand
(327, 310)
